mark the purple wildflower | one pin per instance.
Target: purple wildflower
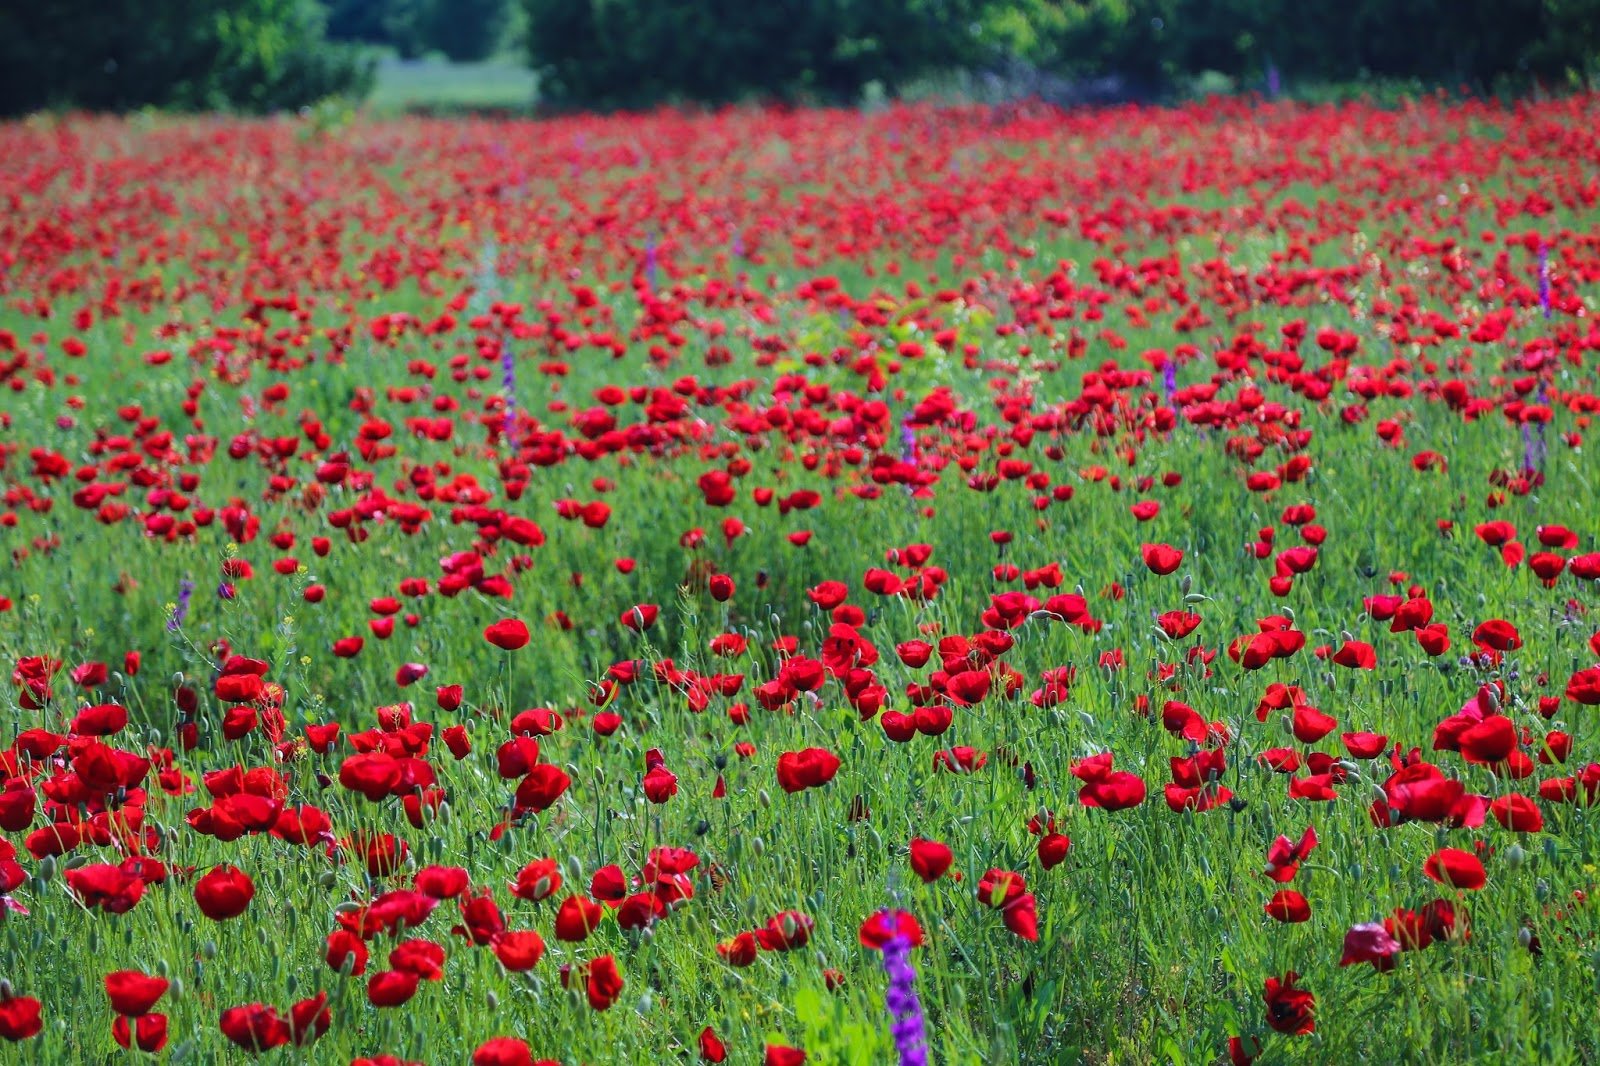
(650, 261)
(908, 443)
(1169, 379)
(1274, 81)
(1544, 279)
(180, 610)
(909, 1027)
(508, 381)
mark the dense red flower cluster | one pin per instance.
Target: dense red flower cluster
(532, 496)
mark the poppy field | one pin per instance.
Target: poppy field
(930, 585)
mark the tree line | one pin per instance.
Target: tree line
(265, 55)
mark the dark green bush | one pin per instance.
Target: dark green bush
(623, 53)
(114, 55)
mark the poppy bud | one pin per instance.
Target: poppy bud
(758, 846)
(1514, 856)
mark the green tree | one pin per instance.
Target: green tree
(254, 55)
(465, 30)
(617, 53)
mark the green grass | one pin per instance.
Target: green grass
(438, 85)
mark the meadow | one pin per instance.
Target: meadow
(936, 584)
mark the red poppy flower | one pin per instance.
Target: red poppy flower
(1161, 558)
(602, 982)
(1584, 687)
(224, 892)
(884, 926)
(1287, 905)
(423, 958)
(640, 616)
(20, 1018)
(741, 951)
(509, 634)
(1370, 942)
(147, 1032)
(930, 859)
(711, 1048)
(538, 880)
(807, 768)
(133, 993)
(346, 949)
(502, 1051)
(1356, 655)
(1489, 741)
(309, 1019)
(1497, 634)
(106, 887)
(577, 918)
(786, 931)
(1052, 850)
(391, 988)
(254, 1027)
(544, 785)
(519, 951)
(1517, 813)
(1289, 1009)
(1457, 868)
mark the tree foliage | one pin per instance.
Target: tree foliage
(463, 30)
(249, 55)
(1472, 43)
(633, 52)
(638, 52)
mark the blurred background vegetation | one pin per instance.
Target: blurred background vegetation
(269, 55)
